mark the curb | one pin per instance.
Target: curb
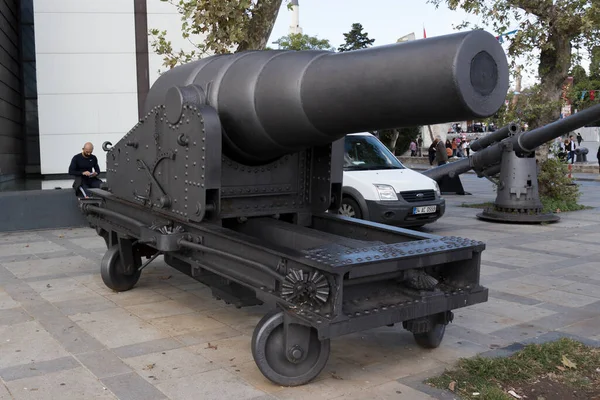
(473, 173)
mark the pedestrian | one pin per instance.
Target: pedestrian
(413, 148)
(84, 167)
(440, 152)
(420, 146)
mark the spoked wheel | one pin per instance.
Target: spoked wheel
(291, 366)
(431, 339)
(113, 272)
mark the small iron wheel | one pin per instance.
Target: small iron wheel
(432, 338)
(270, 355)
(111, 270)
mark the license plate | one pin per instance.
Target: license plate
(424, 210)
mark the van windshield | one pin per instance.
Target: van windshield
(368, 153)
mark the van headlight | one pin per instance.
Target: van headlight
(437, 188)
(386, 192)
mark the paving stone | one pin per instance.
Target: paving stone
(512, 310)
(131, 386)
(583, 288)
(13, 249)
(564, 298)
(226, 352)
(117, 328)
(519, 332)
(38, 368)
(6, 302)
(209, 335)
(170, 364)
(159, 309)
(46, 267)
(513, 298)
(216, 384)
(519, 258)
(13, 316)
(392, 390)
(515, 286)
(587, 328)
(27, 342)
(153, 346)
(61, 290)
(75, 383)
(103, 363)
(93, 302)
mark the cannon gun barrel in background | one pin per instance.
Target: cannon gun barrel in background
(494, 137)
(528, 141)
(513, 158)
(490, 151)
(272, 103)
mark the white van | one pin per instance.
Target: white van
(378, 188)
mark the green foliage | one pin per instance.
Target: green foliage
(557, 191)
(356, 39)
(299, 41)
(581, 82)
(549, 30)
(398, 140)
(567, 362)
(217, 27)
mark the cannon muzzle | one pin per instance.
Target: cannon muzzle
(272, 103)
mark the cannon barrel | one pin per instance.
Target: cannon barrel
(488, 158)
(496, 136)
(528, 141)
(272, 103)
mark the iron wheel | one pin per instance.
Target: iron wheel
(270, 355)
(111, 270)
(431, 339)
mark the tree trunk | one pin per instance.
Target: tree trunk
(430, 133)
(553, 71)
(261, 25)
(393, 140)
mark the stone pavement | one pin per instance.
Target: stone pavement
(64, 335)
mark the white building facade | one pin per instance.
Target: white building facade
(92, 75)
(92, 66)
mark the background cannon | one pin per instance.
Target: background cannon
(235, 177)
(581, 154)
(510, 152)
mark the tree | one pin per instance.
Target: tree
(356, 39)
(579, 95)
(554, 27)
(223, 26)
(299, 41)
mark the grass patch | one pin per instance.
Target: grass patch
(564, 369)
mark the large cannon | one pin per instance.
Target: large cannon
(510, 153)
(234, 176)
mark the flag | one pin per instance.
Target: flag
(424, 33)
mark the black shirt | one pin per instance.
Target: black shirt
(79, 164)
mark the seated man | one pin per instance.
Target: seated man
(84, 166)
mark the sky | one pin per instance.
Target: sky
(383, 20)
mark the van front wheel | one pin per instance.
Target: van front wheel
(350, 208)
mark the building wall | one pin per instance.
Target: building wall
(86, 76)
(86, 72)
(11, 92)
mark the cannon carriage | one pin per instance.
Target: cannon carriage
(234, 176)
